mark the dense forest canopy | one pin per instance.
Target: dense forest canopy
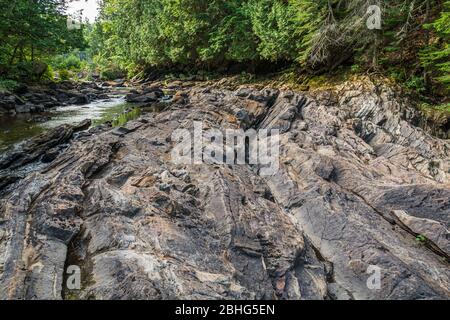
(317, 35)
(32, 31)
(313, 36)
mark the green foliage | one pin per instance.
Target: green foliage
(355, 68)
(314, 35)
(64, 74)
(111, 73)
(272, 24)
(201, 33)
(436, 57)
(9, 85)
(32, 31)
(71, 62)
(49, 74)
(311, 36)
(231, 38)
(421, 238)
(416, 83)
(436, 110)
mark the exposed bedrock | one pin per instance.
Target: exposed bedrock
(358, 185)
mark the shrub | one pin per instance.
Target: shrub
(49, 74)
(416, 83)
(111, 74)
(9, 85)
(70, 62)
(64, 74)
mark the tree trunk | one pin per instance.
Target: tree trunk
(375, 53)
(426, 75)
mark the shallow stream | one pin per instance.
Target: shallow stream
(15, 129)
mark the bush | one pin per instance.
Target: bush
(111, 74)
(9, 85)
(64, 74)
(416, 83)
(355, 68)
(49, 74)
(73, 65)
(70, 62)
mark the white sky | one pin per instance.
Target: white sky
(90, 8)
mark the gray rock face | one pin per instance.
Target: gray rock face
(357, 185)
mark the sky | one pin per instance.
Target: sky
(90, 8)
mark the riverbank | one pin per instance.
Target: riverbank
(40, 98)
(359, 186)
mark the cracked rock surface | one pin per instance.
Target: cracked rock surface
(357, 184)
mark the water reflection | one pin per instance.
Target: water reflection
(24, 126)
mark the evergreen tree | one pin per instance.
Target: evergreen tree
(32, 30)
(436, 57)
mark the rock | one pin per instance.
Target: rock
(21, 89)
(115, 83)
(79, 99)
(26, 108)
(121, 131)
(145, 97)
(33, 149)
(8, 101)
(50, 155)
(179, 95)
(35, 99)
(39, 68)
(119, 82)
(357, 182)
(103, 96)
(431, 229)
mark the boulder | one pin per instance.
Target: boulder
(26, 108)
(8, 101)
(79, 99)
(143, 98)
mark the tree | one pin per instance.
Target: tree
(436, 57)
(31, 30)
(315, 35)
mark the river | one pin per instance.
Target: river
(15, 129)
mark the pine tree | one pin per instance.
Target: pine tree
(436, 57)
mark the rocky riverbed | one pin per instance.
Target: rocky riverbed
(359, 187)
(36, 99)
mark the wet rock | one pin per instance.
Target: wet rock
(33, 149)
(121, 131)
(79, 99)
(26, 108)
(7, 101)
(35, 99)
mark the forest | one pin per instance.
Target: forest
(225, 150)
(133, 37)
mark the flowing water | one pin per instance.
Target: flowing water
(15, 129)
